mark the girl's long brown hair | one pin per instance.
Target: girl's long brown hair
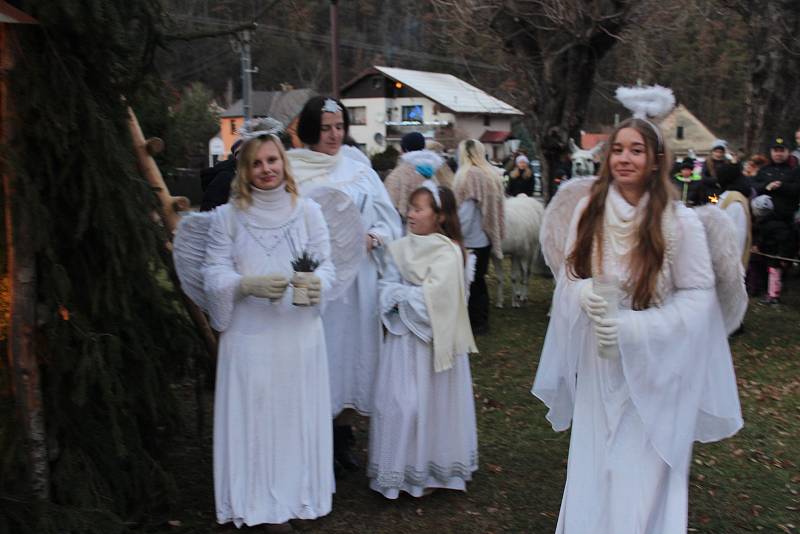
(648, 253)
(450, 226)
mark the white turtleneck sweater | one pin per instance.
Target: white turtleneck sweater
(270, 207)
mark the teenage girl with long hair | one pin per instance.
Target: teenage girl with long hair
(480, 194)
(640, 385)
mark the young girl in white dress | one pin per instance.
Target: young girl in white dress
(422, 432)
(641, 385)
(272, 432)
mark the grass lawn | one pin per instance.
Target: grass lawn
(749, 483)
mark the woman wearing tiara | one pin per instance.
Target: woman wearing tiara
(272, 434)
(636, 354)
(422, 431)
(352, 323)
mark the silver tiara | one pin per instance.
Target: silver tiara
(331, 106)
(260, 127)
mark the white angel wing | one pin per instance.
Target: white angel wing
(557, 216)
(189, 253)
(356, 154)
(347, 233)
(726, 260)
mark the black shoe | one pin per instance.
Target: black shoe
(481, 330)
(770, 301)
(343, 440)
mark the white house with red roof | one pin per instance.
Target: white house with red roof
(386, 102)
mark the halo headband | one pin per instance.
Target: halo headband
(331, 106)
(646, 102)
(431, 186)
(255, 128)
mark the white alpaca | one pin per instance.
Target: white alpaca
(523, 217)
(583, 160)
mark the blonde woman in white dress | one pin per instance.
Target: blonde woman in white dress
(272, 432)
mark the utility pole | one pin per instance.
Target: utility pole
(242, 45)
(334, 49)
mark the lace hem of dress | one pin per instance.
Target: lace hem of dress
(419, 477)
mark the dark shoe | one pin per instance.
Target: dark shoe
(770, 301)
(481, 330)
(343, 440)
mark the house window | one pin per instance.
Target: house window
(487, 120)
(412, 113)
(679, 133)
(233, 127)
(377, 82)
(358, 115)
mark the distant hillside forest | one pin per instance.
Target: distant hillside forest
(709, 51)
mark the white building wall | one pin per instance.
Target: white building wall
(376, 116)
(377, 113)
(472, 126)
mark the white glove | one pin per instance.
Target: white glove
(593, 304)
(313, 283)
(271, 286)
(607, 332)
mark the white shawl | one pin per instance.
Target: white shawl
(307, 164)
(435, 263)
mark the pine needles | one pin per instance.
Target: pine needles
(112, 339)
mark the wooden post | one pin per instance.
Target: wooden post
(21, 259)
(168, 205)
(169, 216)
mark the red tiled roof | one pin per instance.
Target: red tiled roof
(590, 140)
(494, 136)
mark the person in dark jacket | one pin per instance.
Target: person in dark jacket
(520, 178)
(774, 232)
(216, 181)
(712, 165)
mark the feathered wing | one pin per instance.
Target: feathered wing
(346, 232)
(189, 253)
(557, 216)
(727, 264)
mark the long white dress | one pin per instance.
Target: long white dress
(634, 418)
(272, 434)
(352, 323)
(423, 432)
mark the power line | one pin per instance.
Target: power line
(349, 43)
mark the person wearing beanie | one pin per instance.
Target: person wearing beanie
(520, 178)
(405, 178)
(711, 166)
(774, 233)
(689, 183)
(412, 141)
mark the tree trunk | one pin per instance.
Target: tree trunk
(772, 88)
(559, 71)
(22, 325)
